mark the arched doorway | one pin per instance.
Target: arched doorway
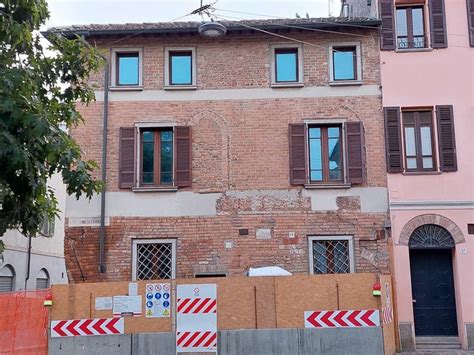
(434, 303)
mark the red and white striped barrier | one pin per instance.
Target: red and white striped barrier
(341, 319)
(81, 327)
(387, 315)
(196, 305)
(196, 340)
(196, 318)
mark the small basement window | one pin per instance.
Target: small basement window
(201, 275)
(153, 259)
(331, 255)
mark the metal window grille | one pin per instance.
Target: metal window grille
(154, 261)
(331, 256)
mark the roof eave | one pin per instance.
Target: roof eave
(368, 24)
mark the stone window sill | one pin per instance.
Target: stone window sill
(286, 85)
(180, 87)
(327, 186)
(414, 173)
(126, 88)
(411, 50)
(345, 83)
(155, 189)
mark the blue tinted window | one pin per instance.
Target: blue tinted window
(166, 168)
(148, 157)
(344, 63)
(181, 68)
(128, 68)
(286, 65)
(315, 154)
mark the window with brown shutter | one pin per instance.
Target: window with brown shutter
(183, 157)
(419, 140)
(355, 152)
(297, 154)
(393, 144)
(470, 20)
(410, 27)
(446, 138)
(439, 38)
(127, 157)
(387, 31)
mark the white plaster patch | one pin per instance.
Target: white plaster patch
(372, 199)
(264, 233)
(149, 204)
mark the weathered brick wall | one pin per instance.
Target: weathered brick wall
(201, 242)
(240, 149)
(237, 144)
(243, 61)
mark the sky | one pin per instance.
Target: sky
(76, 12)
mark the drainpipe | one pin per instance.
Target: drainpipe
(104, 171)
(28, 266)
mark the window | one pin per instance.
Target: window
(325, 154)
(47, 227)
(200, 275)
(154, 259)
(287, 65)
(410, 27)
(156, 156)
(331, 255)
(180, 68)
(126, 68)
(345, 64)
(42, 280)
(7, 279)
(418, 138)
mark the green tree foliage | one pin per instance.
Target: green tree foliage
(38, 97)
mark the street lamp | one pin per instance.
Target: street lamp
(212, 29)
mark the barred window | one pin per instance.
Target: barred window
(331, 255)
(154, 259)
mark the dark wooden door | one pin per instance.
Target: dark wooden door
(432, 283)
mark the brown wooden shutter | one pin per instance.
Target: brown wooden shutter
(470, 21)
(297, 154)
(446, 140)
(183, 160)
(387, 30)
(393, 143)
(127, 157)
(439, 39)
(355, 152)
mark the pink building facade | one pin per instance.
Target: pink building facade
(427, 62)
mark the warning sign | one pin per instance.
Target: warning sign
(157, 300)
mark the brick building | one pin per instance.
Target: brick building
(235, 152)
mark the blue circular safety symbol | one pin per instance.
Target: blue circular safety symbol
(166, 295)
(166, 304)
(157, 295)
(149, 304)
(149, 296)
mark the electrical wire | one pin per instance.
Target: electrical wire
(232, 18)
(330, 22)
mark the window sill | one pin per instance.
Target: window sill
(327, 186)
(345, 83)
(411, 50)
(408, 173)
(180, 87)
(126, 88)
(287, 85)
(155, 189)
